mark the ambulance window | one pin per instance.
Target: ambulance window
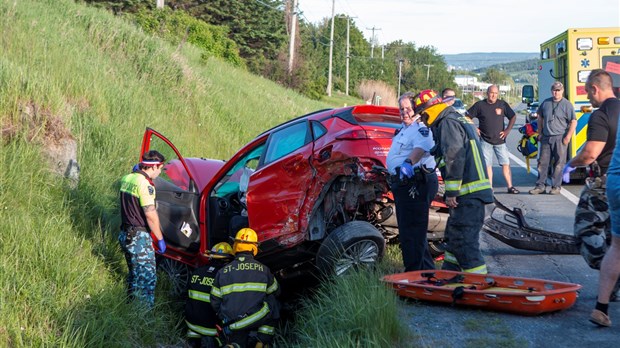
(560, 47)
(544, 54)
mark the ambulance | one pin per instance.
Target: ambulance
(569, 58)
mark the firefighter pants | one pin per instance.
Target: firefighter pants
(592, 222)
(412, 218)
(463, 237)
(140, 256)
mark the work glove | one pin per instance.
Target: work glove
(161, 245)
(566, 173)
(406, 170)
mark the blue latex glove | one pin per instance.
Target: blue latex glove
(161, 245)
(406, 170)
(566, 173)
(135, 168)
(227, 331)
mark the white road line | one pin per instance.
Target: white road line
(571, 197)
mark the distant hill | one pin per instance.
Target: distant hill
(473, 61)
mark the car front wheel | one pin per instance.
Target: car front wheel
(353, 245)
(178, 275)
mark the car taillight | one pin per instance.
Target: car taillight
(359, 134)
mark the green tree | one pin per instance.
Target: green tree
(496, 77)
(257, 27)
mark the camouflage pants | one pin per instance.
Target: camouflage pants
(141, 278)
(592, 223)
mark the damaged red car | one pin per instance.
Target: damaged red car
(313, 188)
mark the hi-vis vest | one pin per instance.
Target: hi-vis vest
(460, 158)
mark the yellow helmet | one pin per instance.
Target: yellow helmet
(430, 103)
(221, 250)
(246, 240)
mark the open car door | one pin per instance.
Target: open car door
(177, 196)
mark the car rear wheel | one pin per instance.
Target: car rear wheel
(354, 245)
(177, 274)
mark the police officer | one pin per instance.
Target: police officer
(467, 186)
(139, 219)
(592, 221)
(414, 184)
(243, 294)
(200, 317)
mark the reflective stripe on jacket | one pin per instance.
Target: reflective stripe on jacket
(460, 157)
(240, 291)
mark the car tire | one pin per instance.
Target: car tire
(353, 245)
(177, 273)
(437, 247)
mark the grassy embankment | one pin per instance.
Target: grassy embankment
(69, 69)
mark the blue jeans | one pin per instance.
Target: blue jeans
(613, 198)
(552, 151)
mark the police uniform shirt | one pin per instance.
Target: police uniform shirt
(416, 135)
(137, 191)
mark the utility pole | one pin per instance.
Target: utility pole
(291, 48)
(428, 70)
(159, 4)
(331, 51)
(400, 73)
(348, 56)
(372, 41)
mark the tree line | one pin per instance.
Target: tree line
(259, 35)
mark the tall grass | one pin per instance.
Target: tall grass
(356, 310)
(61, 271)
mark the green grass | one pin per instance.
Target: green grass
(70, 69)
(356, 310)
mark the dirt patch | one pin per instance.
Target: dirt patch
(39, 125)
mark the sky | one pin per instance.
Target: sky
(466, 26)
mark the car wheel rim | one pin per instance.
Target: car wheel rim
(178, 274)
(364, 253)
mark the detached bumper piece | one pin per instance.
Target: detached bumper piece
(527, 296)
(515, 232)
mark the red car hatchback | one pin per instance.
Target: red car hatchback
(312, 188)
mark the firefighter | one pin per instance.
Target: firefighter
(467, 187)
(243, 294)
(200, 317)
(139, 221)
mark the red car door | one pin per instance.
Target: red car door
(277, 189)
(177, 197)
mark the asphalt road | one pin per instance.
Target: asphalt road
(438, 325)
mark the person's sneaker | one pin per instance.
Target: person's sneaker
(537, 190)
(555, 191)
(599, 318)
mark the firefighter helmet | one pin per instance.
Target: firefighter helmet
(221, 250)
(246, 240)
(424, 100)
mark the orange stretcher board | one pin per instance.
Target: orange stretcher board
(527, 296)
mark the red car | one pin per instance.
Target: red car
(313, 189)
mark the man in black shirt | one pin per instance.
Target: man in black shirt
(490, 114)
(592, 222)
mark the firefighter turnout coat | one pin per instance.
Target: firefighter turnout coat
(459, 157)
(243, 294)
